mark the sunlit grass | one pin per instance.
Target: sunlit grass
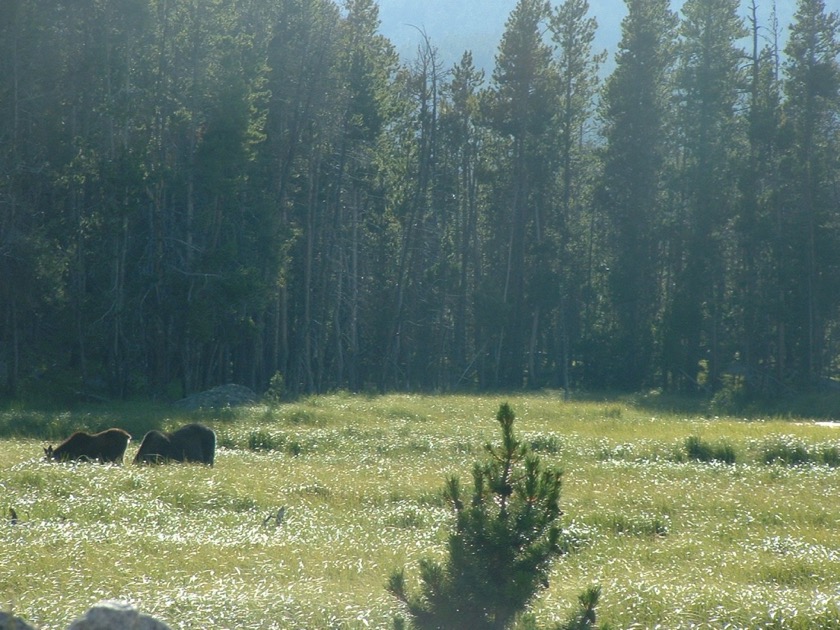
(674, 542)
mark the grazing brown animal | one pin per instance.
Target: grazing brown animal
(190, 443)
(106, 446)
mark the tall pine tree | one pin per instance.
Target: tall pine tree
(573, 31)
(636, 105)
(709, 84)
(521, 102)
(811, 84)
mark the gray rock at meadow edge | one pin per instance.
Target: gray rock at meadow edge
(112, 615)
(10, 622)
(230, 395)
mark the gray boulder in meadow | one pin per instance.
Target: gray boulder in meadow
(10, 622)
(221, 397)
(113, 615)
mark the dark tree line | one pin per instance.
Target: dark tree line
(200, 191)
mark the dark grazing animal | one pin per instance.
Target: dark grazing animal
(106, 446)
(190, 443)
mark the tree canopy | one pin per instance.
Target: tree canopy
(195, 192)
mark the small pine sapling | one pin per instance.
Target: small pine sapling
(585, 617)
(506, 536)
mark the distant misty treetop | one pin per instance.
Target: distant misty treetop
(454, 26)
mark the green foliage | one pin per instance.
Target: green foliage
(704, 451)
(786, 450)
(642, 525)
(505, 538)
(636, 107)
(790, 451)
(276, 391)
(709, 78)
(243, 189)
(830, 455)
(262, 441)
(732, 396)
(546, 444)
(582, 618)
(54, 424)
(585, 617)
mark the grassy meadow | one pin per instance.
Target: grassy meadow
(676, 533)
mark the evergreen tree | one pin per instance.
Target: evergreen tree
(304, 97)
(635, 114)
(573, 31)
(460, 153)
(193, 192)
(24, 132)
(520, 104)
(809, 212)
(709, 84)
(412, 351)
(505, 539)
(756, 228)
(367, 68)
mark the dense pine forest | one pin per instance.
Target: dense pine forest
(195, 192)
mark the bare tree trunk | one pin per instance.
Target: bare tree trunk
(427, 113)
(307, 290)
(532, 348)
(353, 342)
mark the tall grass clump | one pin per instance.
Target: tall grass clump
(704, 451)
(506, 537)
(830, 456)
(786, 450)
(263, 441)
(790, 451)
